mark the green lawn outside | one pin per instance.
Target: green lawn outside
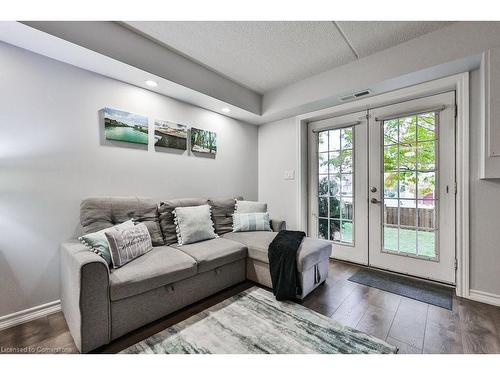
(408, 240)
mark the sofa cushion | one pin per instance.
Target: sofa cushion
(311, 251)
(161, 266)
(104, 212)
(166, 216)
(214, 253)
(222, 213)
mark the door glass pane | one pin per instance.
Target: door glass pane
(391, 132)
(322, 141)
(426, 214)
(346, 184)
(334, 144)
(407, 185)
(407, 241)
(335, 185)
(426, 156)
(323, 206)
(391, 238)
(427, 243)
(391, 187)
(323, 162)
(323, 184)
(335, 230)
(426, 185)
(346, 208)
(409, 177)
(346, 138)
(335, 207)
(346, 231)
(323, 229)
(426, 127)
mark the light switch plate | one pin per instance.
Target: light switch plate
(289, 175)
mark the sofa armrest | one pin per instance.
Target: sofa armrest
(278, 225)
(85, 296)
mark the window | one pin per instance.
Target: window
(335, 185)
(410, 180)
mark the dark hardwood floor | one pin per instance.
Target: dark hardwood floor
(413, 326)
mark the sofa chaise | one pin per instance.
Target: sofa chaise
(101, 304)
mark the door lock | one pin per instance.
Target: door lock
(373, 189)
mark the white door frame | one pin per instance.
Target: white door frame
(457, 82)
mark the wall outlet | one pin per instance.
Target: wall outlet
(289, 175)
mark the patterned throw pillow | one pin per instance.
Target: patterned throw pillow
(127, 244)
(97, 242)
(251, 222)
(249, 207)
(194, 224)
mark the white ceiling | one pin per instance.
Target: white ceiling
(266, 55)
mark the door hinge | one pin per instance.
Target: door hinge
(456, 264)
(455, 186)
(456, 111)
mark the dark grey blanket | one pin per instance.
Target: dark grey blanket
(282, 255)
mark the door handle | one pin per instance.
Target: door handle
(375, 201)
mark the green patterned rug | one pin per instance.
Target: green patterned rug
(253, 322)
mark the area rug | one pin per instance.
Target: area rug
(404, 286)
(253, 322)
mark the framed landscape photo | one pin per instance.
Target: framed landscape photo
(203, 141)
(125, 126)
(170, 134)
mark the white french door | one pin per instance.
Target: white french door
(382, 189)
(338, 197)
(412, 187)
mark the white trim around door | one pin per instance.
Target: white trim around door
(460, 84)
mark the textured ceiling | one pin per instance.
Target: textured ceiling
(266, 55)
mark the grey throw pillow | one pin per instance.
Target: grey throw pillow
(97, 242)
(249, 207)
(222, 213)
(194, 224)
(251, 222)
(127, 244)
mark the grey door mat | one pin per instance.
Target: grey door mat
(411, 288)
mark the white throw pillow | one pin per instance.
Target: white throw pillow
(250, 207)
(194, 224)
(251, 222)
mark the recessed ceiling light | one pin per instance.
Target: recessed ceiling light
(151, 83)
(226, 110)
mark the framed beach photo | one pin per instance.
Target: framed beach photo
(170, 134)
(203, 141)
(125, 126)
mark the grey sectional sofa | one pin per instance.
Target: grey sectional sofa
(101, 304)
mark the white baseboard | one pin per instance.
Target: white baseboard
(489, 298)
(27, 315)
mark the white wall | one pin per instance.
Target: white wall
(51, 158)
(278, 151)
(277, 154)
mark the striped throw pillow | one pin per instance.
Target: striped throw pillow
(127, 244)
(251, 222)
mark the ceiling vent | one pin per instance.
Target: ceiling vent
(356, 95)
